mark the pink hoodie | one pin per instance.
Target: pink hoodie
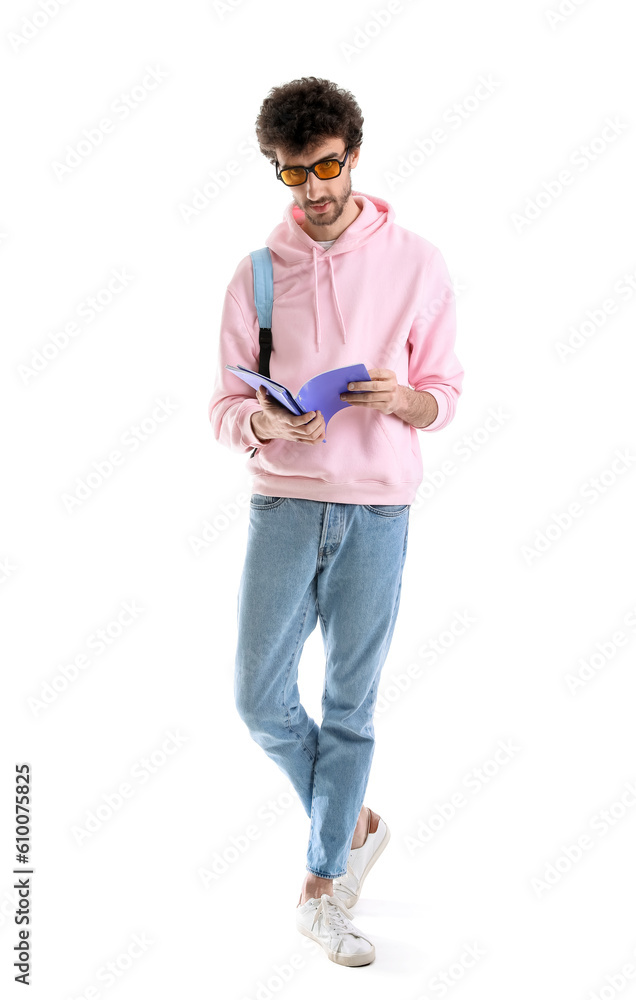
(380, 295)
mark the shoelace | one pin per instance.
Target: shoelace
(334, 917)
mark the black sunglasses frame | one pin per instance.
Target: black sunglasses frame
(312, 169)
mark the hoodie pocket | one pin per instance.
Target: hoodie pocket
(398, 462)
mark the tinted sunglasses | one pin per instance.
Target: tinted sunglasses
(322, 169)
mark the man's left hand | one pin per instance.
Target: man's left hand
(382, 392)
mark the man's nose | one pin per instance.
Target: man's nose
(315, 190)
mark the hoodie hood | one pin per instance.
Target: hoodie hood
(294, 246)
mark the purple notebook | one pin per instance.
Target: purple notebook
(322, 392)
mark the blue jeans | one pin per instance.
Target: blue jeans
(342, 563)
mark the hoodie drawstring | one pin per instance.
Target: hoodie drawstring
(316, 312)
(335, 293)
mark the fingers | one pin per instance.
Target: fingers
(314, 436)
(306, 428)
(265, 398)
(303, 418)
(313, 430)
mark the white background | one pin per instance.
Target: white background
(479, 877)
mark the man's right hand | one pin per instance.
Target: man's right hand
(275, 421)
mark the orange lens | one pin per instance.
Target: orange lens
(328, 168)
(293, 176)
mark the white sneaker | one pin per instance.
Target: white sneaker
(325, 920)
(361, 860)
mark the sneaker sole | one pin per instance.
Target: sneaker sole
(352, 961)
(352, 900)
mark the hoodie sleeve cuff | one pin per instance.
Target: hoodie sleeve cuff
(248, 437)
(443, 407)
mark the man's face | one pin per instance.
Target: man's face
(335, 191)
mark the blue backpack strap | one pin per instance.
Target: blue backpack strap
(263, 285)
(264, 300)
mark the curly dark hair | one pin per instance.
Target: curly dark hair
(301, 115)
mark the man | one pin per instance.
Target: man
(328, 523)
